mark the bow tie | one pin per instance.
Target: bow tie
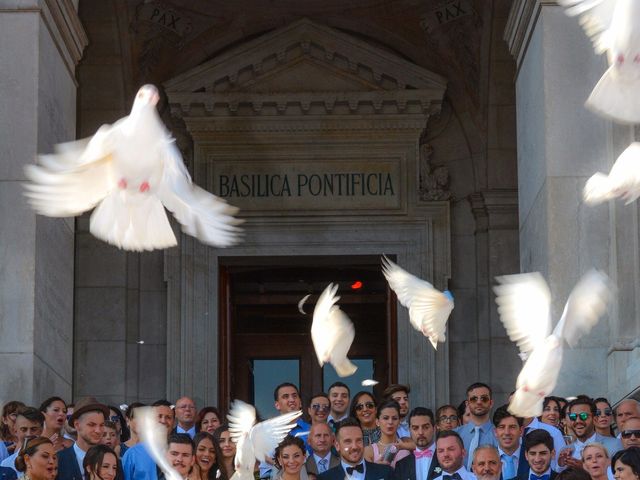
(455, 476)
(541, 477)
(358, 468)
(423, 453)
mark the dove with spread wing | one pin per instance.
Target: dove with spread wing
(332, 333)
(614, 27)
(255, 441)
(524, 305)
(154, 436)
(623, 180)
(130, 172)
(429, 309)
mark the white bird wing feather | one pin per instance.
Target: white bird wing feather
(429, 309)
(332, 332)
(265, 436)
(73, 180)
(524, 305)
(586, 304)
(154, 437)
(595, 17)
(241, 419)
(201, 214)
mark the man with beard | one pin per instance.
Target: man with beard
(181, 455)
(580, 413)
(486, 463)
(479, 430)
(422, 464)
(88, 420)
(451, 453)
(400, 394)
(350, 445)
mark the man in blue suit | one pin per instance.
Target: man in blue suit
(350, 446)
(538, 450)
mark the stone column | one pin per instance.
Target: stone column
(560, 145)
(41, 42)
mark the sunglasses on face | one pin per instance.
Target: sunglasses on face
(606, 412)
(626, 434)
(582, 416)
(450, 418)
(481, 398)
(361, 406)
(317, 407)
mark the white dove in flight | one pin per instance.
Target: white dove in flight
(429, 309)
(524, 305)
(130, 171)
(154, 437)
(614, 27)
(255, 441)
(623, 180)
(332, 333)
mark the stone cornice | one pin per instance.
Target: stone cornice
(62, 21)
(520, 25)
(495, 209)
(420, 102)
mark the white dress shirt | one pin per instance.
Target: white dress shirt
(79, 457)
(531, 472)
(462, 471)
(424, 464)
(355, 475)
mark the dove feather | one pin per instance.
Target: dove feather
(266, 436)
(595, 17)
(524, 305)
(154, 438)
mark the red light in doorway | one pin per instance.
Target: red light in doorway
(357, 285)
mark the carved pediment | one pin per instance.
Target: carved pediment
(306, 68)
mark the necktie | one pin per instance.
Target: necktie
(322, 465)
(455, 476)
(423, 453)
(473, 446)
(533, 476)
(358, 468)
(509, 466)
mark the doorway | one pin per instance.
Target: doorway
(265, 340)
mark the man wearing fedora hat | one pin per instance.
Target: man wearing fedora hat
(88, 419)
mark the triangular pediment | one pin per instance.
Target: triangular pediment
(307, 64)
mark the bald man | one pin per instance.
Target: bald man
(186, 416)
(486, 463)
(626, 409)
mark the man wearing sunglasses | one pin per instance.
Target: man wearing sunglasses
(479, 430)
(580, 413)
(631, 434)
(319, 408)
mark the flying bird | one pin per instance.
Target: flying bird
(332, 333)
(623, 180)
(524, 305)
(130, 171)
(154, 437)
(614, 28)
(429, 309)
(255, 441)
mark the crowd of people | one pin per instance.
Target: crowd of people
(357, 437)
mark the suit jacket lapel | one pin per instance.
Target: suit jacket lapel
(432, 467)
(523, 466)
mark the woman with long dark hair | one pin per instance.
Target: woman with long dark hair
(364, 409)
(54, 410)
(225, 452)
(102, 463)
(206, 460)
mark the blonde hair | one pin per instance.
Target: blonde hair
(595, 445)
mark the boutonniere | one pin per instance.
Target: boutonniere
(437, 470)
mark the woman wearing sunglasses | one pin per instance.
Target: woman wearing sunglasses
(595, 461)
(363, 408)
(54, 410)
(387, 450)
(603, 420)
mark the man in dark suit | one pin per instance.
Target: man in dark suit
(350, 445)
(88, 419)
(7, 473)
(508, 431)
(451, 455)
(538, 451)
(321, 458)
(422, 464)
